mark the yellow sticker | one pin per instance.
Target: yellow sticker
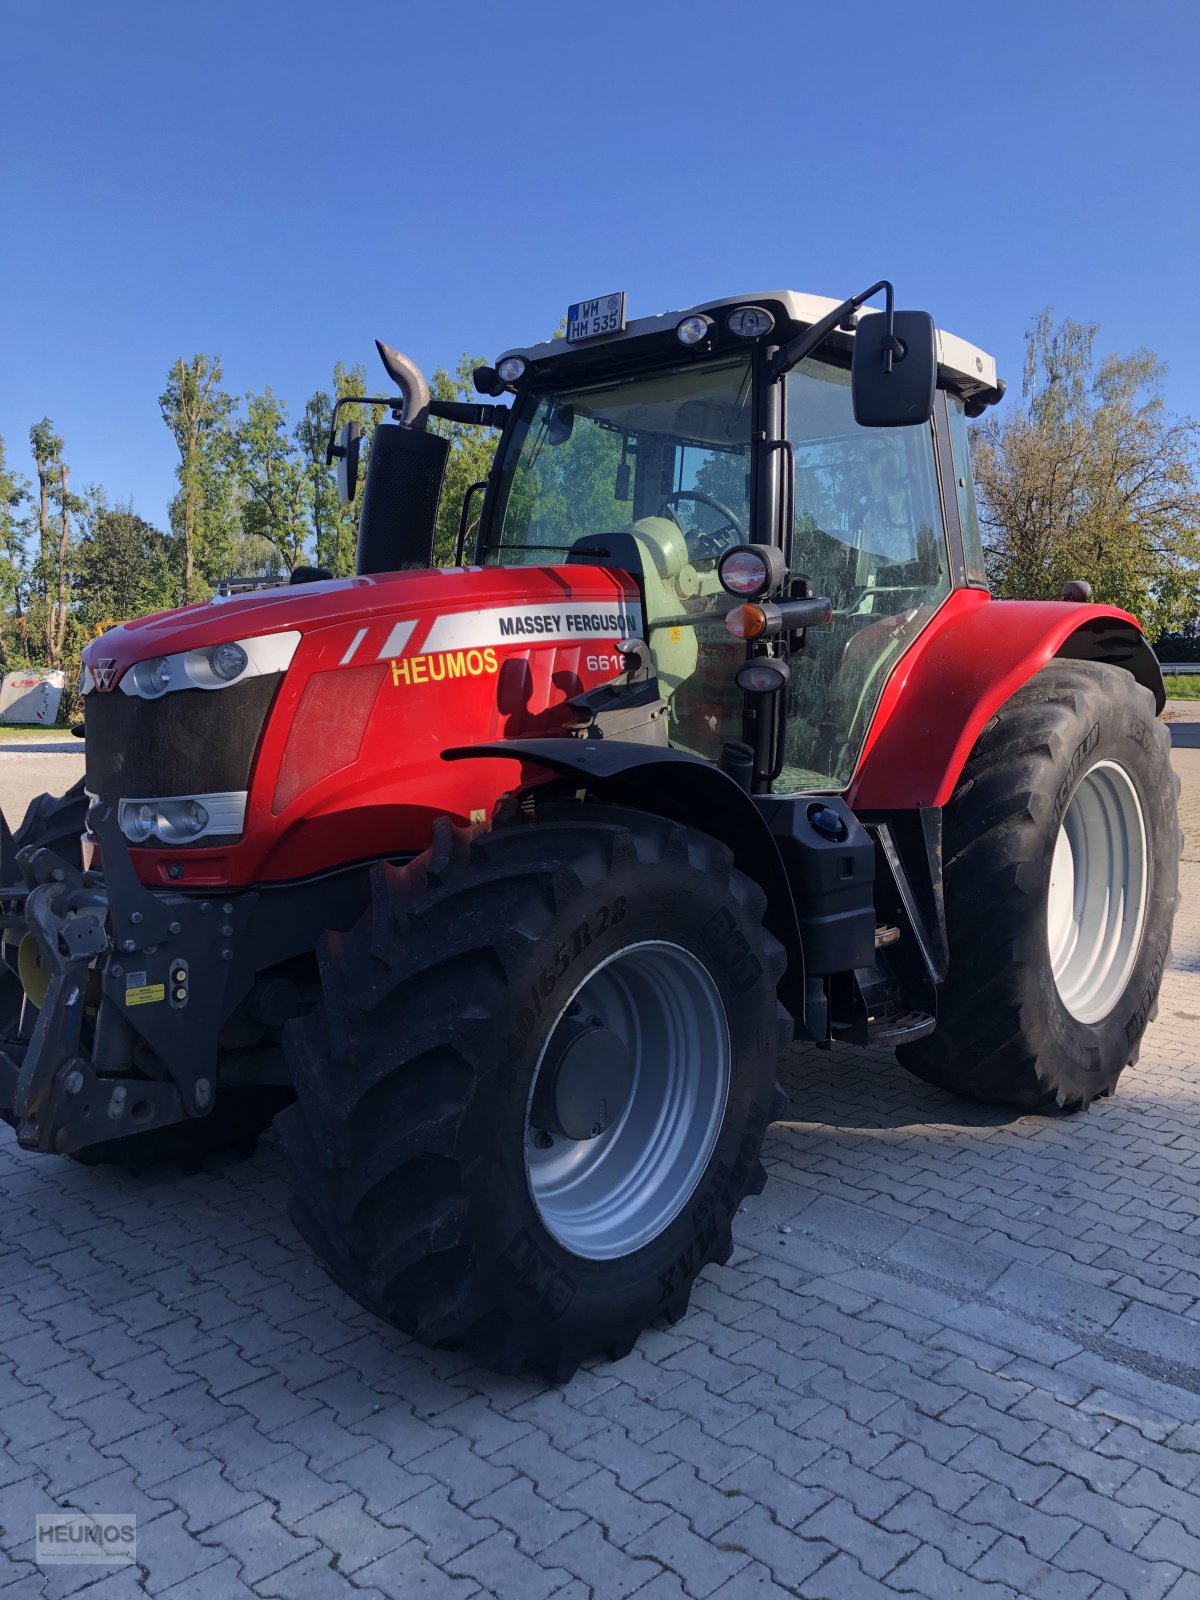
(146, 995)
(675, 635)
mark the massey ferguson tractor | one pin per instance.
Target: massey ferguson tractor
(501, 885)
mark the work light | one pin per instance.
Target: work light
(750, 322)
(511, 369)
(692, 329)
(750, 570)
(762, 676)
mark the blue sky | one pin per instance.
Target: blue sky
(282, 181)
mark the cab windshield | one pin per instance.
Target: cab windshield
(665, 459)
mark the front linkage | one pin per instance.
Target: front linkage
(135, 978)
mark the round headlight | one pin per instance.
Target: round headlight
(153, 677)
(750, 322)
(137, 821)
(511, 369)
(765, 676)
(180, 819)
(692, 329)
(750, 570)
(228, 661)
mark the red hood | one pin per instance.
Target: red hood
(316, 605)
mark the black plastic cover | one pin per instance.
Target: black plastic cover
(400, 499)
(832, 879)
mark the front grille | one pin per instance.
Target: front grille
(196, 741)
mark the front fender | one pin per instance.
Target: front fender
(975, 654)
(687, 789)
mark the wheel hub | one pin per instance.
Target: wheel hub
(1099, 882)
(628, 1100)
(584, 1085)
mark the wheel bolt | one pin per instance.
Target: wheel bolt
(542, 1139)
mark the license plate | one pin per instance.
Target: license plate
(590, 319)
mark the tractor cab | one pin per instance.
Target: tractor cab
(663, 445)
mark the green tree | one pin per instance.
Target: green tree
(204, 512)
(14, 492)
(1091, 478)
(52, 566)
(334, 526)
(472, 450)
(272, 475)
(123, 567)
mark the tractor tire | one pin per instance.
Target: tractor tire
(1061, 874)
(535, 1090)
(240, 1114)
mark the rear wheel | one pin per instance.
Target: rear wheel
(534, 1094)
(1061, 880)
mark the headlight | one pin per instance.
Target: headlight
(693, 329)
(180, 819)
(229, 661)
(511, 369)
(137, 819)
(153, 677)
(211, 667)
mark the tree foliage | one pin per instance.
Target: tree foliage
(204, 513)
(123, 567)
(1090, 477)
(472, 450)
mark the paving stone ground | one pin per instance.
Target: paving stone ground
(955, 1353)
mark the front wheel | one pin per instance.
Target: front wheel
(536, 1088)
(1061, 879)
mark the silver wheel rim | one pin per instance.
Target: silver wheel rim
(606, 1197)
(1096, 906)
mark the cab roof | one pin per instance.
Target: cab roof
(962, 367)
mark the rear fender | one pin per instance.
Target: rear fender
(974, 655)
(685, 788)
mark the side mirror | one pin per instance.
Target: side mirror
(895, 393)
(346, 450)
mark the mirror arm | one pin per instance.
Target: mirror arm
(467, 411)
(450, 410)
(795, 351)
(395, 405)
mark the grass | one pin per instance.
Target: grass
(10, 732)
(1183, 686)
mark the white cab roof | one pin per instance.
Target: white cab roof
(961, 366)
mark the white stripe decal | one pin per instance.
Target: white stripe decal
(354, 644)
(561, 621)
(396, 640)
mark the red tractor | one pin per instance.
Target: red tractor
(503, 885)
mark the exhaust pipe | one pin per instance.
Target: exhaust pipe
(410, 381)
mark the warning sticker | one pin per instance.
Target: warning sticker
(146, 994)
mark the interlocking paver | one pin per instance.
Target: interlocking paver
(954, 1354)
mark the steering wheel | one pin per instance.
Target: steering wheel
(705, 543)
